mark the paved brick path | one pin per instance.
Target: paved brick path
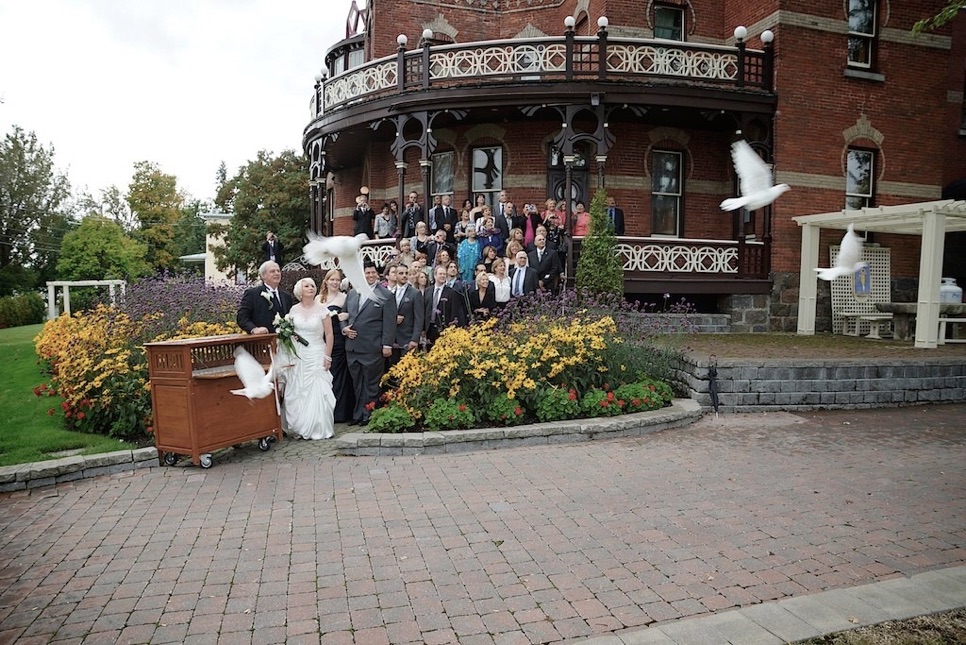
(526, 545)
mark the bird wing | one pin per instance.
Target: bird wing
(753, 173)
(351, 265)
(317, 250)
(251, 374)
(850, 250)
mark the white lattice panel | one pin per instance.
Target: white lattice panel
(358, 83)
(679, 258)
(843, 289)
(671, 61)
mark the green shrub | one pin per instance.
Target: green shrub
(447, 414)
(25, 309)
(392, 418)
(558, 404)
(503, 410)
(599, 268)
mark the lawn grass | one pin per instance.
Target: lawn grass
(27, 432)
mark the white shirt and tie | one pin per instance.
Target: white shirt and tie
(518, 281)
(436, 296)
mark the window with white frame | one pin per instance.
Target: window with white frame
(669, 23)
(487, 172)
(859, 178)
(862, 33)
(666, 193)
(441, 182)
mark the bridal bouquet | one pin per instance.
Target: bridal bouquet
(285, 329)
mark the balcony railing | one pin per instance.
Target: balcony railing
(645, 258)
(562, 58)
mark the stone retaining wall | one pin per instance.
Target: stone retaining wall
(66, 469)
(764, 385)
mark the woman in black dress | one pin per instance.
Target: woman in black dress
(333, 298)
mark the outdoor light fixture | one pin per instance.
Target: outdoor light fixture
(767, 36)
(318, 78)
(401, 40)
(602, 22)
(595, 99)
(740, 32)
(427, 34)
(569, 22)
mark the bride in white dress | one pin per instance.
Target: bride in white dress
(309, 402)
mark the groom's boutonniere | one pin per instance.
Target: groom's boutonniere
(268, 298)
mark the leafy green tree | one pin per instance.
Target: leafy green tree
(34, 210)
(946, 14)
(156, 203)
(189, 230)
(267, 194)
(599, 268)
(99, 250)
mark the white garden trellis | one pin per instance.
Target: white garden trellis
(67, 284)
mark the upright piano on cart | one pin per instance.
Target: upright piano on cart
(195, 412)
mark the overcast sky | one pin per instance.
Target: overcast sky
(185, 84)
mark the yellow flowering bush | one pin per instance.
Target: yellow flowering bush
(508, 375)
(98, 366)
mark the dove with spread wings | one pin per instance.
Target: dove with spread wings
(849, 258)
(257, 383)
(754, 179)
(348, 250)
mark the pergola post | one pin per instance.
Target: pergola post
(51, 301)
(930, 270)
(808, 280)
(67, 299)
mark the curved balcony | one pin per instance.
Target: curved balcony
(599, 59)
(654, 265)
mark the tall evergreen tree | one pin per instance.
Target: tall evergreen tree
(599, 268)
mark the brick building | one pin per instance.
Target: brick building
(644, 98)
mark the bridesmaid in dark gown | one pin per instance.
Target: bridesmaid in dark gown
(334, 299)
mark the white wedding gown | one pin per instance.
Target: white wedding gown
(309, 402)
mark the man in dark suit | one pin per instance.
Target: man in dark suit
(615, 216)
(444, 306)
(259, 305)
(412, 214)
(410, 314)
(370, 333)
(546, 263)
(523, 279)
(272, 249)
(445, 219)
(363, 217)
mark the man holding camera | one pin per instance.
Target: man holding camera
(272, 249)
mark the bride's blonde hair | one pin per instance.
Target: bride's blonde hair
(297, 289)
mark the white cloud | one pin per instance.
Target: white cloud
(182, 83)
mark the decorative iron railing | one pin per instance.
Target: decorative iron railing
(566, 57)
(642, 256)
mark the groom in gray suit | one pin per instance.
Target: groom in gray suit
(370, 333)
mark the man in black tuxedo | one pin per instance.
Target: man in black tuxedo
(444, 306)
(370, 333)
(445, 219)
(412, 214)
(546, 263)
(410, 314)
(272, 249)
(523, 279)
(363, 216)
(615, 216)
(256, 313)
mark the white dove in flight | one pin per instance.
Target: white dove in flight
(348, 250)
(250, 372)
(849, 259)
(755, 180)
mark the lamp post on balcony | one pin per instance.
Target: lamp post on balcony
(767, 38)
(569, 23)
(427, 41)
(401, 41)
(424, 167)
(602, 23)
(318, 93)
(740, 34)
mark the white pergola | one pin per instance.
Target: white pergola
(930, 220)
